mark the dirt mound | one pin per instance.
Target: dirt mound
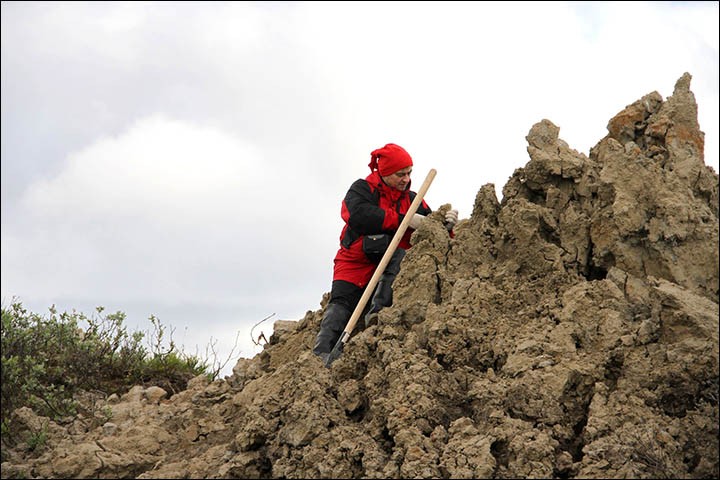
(570, 330)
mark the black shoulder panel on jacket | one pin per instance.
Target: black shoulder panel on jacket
(366, 217)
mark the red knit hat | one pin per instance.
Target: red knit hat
(389, 159)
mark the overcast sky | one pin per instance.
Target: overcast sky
(187, 160)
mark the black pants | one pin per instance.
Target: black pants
(346, 294)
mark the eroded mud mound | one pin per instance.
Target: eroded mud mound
(570, 330)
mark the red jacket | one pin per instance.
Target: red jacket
(370, 207)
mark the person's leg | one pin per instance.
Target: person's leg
(344, 297)
(382, 297)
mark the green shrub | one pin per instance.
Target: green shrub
(37, 440)
(47, 362)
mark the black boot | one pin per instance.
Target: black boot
(381, 298)
(383, 292)
(332, 325)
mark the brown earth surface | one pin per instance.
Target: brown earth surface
(569, 331)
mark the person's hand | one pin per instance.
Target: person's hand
(451, 218)
(416, 221)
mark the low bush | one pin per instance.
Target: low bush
(48, 361)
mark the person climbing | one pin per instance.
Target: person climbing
(372, 210)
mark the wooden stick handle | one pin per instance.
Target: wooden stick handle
(388, 255)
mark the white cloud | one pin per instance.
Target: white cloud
(165, 210)
(162, 169)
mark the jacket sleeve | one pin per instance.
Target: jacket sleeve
(361, 210)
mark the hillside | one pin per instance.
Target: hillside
(569, 331)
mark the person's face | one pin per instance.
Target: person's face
(399, 179)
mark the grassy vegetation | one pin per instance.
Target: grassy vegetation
(49, 361)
